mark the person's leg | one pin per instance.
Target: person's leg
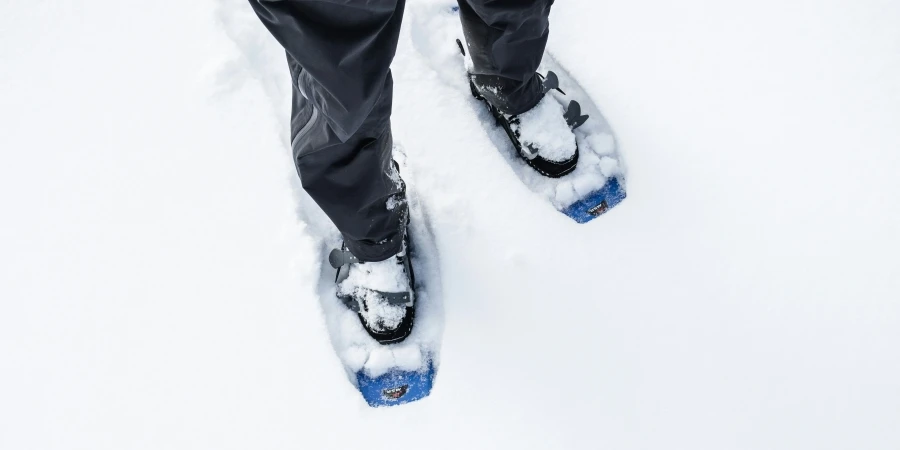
(506, 40)
(339, 54)
(353, 181)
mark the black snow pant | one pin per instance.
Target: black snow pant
(339, 53)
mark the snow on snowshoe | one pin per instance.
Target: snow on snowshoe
(381, 293)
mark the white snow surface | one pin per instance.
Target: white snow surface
(161, 267)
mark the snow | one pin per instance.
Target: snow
(159, 282)
(384, 276)
(545, 128)
(379, 312)
(404, 357)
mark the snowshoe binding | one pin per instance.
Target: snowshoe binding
(381, 293)
(543, 136)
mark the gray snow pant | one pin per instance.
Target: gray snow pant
(339, 53)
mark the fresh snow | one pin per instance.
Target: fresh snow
(385, 276)
(364, 282)
(378, 312)
(161, 268)
(545, 128)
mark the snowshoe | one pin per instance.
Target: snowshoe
(582, 189)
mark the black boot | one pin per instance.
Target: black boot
(542, 138)
(381, 293)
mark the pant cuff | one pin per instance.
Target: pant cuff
(508, 95)
(368, 251)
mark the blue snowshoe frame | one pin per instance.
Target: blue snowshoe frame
(396, 387)
(597, 203)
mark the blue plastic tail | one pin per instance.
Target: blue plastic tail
(596, 203)
(396, 387)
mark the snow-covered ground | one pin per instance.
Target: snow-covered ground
(158, 275)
